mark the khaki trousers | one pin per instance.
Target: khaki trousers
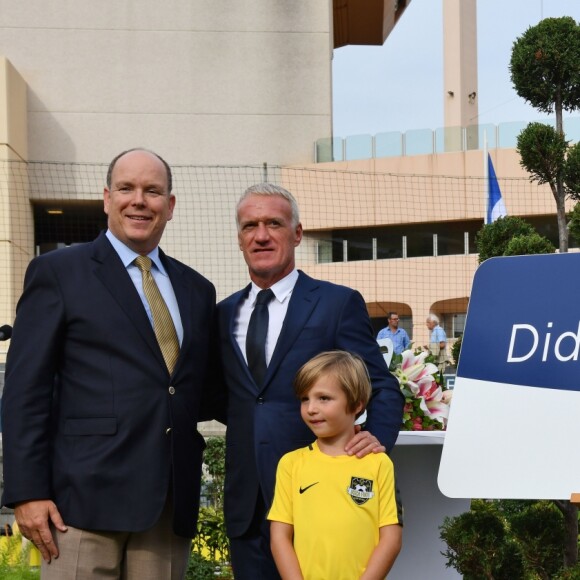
(155, 554)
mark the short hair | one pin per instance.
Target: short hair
(269, 189)
(433, 318)
(348, 368)
(165, 164)
(390, 314)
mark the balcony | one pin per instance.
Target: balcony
(428, 142)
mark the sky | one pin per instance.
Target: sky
(399, 86)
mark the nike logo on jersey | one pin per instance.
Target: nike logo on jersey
(303, 489)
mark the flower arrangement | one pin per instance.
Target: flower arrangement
(426, 401)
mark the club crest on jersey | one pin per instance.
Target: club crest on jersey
(360, 490)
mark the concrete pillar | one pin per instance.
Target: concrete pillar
(16, 219)
(460, 74)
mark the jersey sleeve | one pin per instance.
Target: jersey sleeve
(391, 510)
(281, 510)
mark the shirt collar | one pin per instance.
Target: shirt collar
(128, 256)
(282, 289)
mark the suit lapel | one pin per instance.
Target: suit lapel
(234, 304)
(303, 301)
(110, 270)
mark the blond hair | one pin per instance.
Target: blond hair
(348, 368)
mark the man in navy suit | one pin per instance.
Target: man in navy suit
(102, 459)
(306, 317)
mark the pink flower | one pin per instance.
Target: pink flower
(417, 380)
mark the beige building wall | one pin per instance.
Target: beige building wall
(16, 225)
(204, 82)
(413, 286)
(201, 82)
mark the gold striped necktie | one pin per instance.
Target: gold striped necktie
(162, 321)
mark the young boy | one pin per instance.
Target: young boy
(334, 516)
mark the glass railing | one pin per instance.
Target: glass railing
(426, 141)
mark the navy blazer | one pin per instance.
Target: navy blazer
(91, 417)
(264, 423)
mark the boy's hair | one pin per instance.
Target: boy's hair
(348, 368)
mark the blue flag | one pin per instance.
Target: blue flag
(495, 205)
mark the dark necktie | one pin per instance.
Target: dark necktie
(256, 337)
(162, 321)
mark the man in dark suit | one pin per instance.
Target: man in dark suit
(306, 317)
(102, 459)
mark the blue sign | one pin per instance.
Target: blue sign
(514, 420)
(523, 323)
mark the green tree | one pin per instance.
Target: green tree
(494, 239)
(572, 172)
(456, 351)
(532, 243)
(211, 555)
(214, 461)
(479, 546)
(574, 222)
(545, 71)
(539, 530)
(515, 539)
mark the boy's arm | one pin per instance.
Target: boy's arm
(385, 553)
(281, 543)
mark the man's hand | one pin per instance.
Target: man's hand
(33, 521)
(363, 443)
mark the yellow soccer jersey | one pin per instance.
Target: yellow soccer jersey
(336, 505)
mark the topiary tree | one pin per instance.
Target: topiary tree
(515, 539)
(574, 222)
(572, 172)
(479, 546)
(527, 244)
(545, 71)
(492, 239)
(539, 531)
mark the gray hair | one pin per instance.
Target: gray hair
(433, 318)
(269, 189)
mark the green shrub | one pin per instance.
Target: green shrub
(199, 568)
(527, 244)
(572, 573)
(478, 545)
(14, 560)
(456, 350)
(492, 239)
(211, 550)
(539, 530)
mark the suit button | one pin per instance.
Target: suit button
(260, 400)
(172, 390)
(168, 431)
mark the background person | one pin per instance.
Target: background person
(437, 341)
(305, 317)
(398, 335)
(98, 421)
(334, 516)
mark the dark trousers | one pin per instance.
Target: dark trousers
(251, 555)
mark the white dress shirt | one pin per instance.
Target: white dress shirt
(160, 276)
(276, 309)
